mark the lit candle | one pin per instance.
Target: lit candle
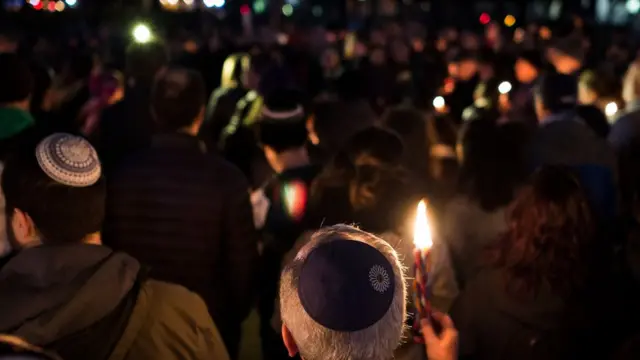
(423, 242)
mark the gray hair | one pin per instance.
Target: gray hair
(314, 341)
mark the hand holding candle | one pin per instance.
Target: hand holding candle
(423, 242)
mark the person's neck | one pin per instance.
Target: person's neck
(290, 159)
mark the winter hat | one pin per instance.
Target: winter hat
(17, 82)
(69, 160)
(346, 285)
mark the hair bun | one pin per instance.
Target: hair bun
(69, 160)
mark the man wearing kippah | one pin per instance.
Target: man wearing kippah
(64, 291)
(343, 298)
(184, 211)
(282, 133)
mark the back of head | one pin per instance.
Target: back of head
(369, 166)
(17, 82)
(59, 186)
(557, 92)
(178, 99)
(282, 125)
(144, 61)
(343, 296)
(492, 162)
(549, 235)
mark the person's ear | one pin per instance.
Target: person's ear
(289, 343)
(24, 229)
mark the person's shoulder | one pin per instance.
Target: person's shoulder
(171, 298)
(170, 322)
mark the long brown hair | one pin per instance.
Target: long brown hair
(548, 237)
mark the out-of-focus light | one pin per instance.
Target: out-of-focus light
(35, 3)
(504, 87)
(611, 109)
(509, 20)
(244, 9)
(60, 6)
(172, 2)
(317, 11)
(142, 33)
(259, 7)
(485, 18)
(51, 6)
(214, 3)
(633, 6)
(71, 3)
(287, 9)
(188, 2)
(438, 102)
(545, 33)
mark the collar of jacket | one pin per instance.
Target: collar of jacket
(13, 121)
(178, 140)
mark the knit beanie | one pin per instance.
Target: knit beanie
(17, 82)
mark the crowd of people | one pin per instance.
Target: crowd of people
(149, 210)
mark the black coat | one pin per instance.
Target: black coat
(494, 325)
(125, 127)
(186, 214)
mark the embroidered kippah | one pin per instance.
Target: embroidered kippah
(346, 285)
(69, 160)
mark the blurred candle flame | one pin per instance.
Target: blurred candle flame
(421, 230)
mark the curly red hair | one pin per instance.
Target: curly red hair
(548, 237)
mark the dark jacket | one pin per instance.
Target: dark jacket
(564, 139)
(494, 325)
(88, 302)
(187, 215)
(125, 127)
(625, 131)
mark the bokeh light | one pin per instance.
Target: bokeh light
(504, 87)
(317, 11)
(35, 3)
(438, 102)
(611, 109)
(172, 2)
(72, 3)
(60, 6)
(509, 20)
(485, 18)
(214, 3)
(287, 10)
(142, 33)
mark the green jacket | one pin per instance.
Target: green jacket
(169, 322)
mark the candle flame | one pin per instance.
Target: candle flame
(421, 230)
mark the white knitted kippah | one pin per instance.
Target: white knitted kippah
(69, 160)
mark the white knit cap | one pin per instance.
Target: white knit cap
(69, 160)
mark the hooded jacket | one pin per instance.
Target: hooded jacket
(88, 302)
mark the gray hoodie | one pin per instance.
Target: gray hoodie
(49, 292)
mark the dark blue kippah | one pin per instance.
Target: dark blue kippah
(346, 285)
